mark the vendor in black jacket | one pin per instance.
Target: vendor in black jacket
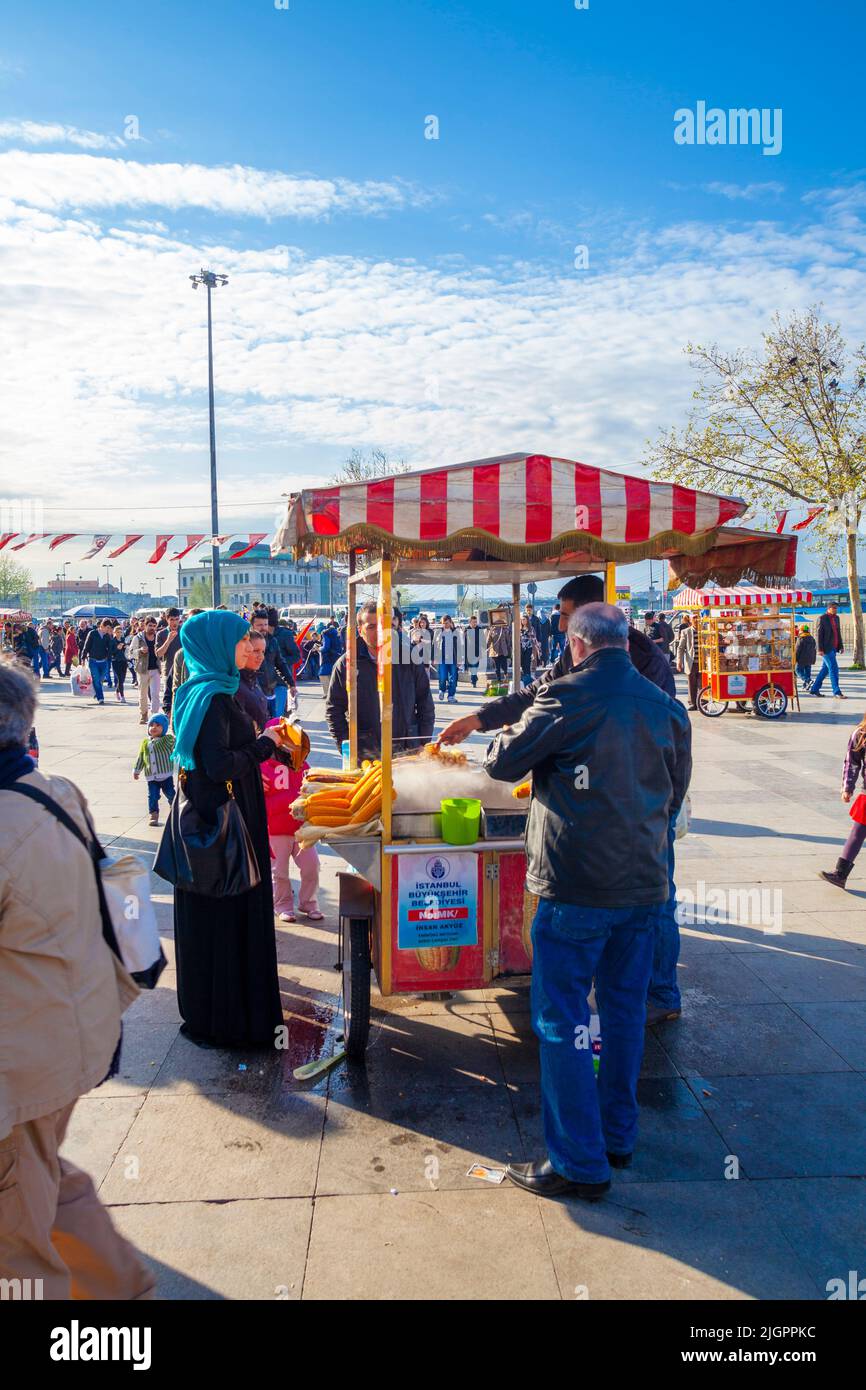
(610, 756)
(414, 712)
(646, 657)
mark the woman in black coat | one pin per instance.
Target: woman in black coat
(227, 985)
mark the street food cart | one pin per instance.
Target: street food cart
(746, 646)
(423, 914)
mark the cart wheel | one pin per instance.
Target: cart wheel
(356, 986)
(710, 707)
(770, 702)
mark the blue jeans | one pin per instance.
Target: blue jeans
(41, 662)
(280, 698)
(829, 665)
(664, 992)
(447, 678)
(804, 675)
(99, 672)
(164, 784)
(584, 1119)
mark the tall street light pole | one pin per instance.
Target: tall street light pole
(210, 281)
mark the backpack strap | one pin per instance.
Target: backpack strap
(93, 847)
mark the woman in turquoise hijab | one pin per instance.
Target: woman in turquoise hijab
(227, 987)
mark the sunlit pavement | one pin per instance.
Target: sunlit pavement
(239, 1182)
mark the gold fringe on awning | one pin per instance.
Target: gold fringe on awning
(363, 536)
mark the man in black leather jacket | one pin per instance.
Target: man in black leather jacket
(610, 756)
(414, 713)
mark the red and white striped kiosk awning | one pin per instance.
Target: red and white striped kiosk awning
(743, 596)
(532, 509)
(520, 500)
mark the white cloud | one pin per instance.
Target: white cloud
(56, 181)
(52, 133)
(105, 391)
(747, 192)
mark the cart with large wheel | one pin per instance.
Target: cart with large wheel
(418, 913)
(746, 648)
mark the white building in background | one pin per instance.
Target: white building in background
(258, 577)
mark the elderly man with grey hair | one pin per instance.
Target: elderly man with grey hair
(62, 993)
(610, 757)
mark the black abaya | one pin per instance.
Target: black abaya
(227, 986)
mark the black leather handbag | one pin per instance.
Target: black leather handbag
(198, 856)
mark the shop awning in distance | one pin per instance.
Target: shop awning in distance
(742, 596)
(553, 514)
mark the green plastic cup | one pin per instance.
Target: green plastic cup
(461, 820)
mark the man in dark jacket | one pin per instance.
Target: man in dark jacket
(610, 756)
(831, 648)
(663, 1002)
(285, 638)
(97, 653)
(414, 712)
(274, 675)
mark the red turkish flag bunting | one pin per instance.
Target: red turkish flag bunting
(6, 537)
(130, 540)
(34, 536)
(781, 518)
(808, 519)
(161, 548)
(58, 540)
(254, 540)
(99, 543)
(191, 543)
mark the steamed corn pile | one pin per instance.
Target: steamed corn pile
(341, 798)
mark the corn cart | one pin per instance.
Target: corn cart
(421, 914)
(746, 646)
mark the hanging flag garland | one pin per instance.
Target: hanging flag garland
(130, 540)
(58, 540)
(6, 537)
(34, 536)
(161, 548)
(191, 543)
(808, 519)
(99, 544)
(254, 540)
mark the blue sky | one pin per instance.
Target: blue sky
(389, 290)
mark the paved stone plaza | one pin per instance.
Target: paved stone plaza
(238, 1182)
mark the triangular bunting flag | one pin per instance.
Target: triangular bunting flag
(191, 543)
(130, 540)
(808, 519)
(6, 537)
(99, 543)
(161, 548)
(66, 536)
(254, 540)
(34, 536)
(781, 518)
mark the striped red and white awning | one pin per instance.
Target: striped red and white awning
(742, 596)
(520, 500)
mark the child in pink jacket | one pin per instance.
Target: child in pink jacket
(283, 786)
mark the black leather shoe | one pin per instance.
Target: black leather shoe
(619, 1160)
(541, 1179)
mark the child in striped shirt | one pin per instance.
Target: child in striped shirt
(156, 761)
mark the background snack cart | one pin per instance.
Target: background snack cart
(425, 915)
(746, 646)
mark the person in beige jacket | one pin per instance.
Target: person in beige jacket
(62, 993)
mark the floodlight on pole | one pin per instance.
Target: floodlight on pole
(211, 280)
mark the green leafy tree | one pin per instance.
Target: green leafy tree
(200, 593)
(787, 424)
(15, 581)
